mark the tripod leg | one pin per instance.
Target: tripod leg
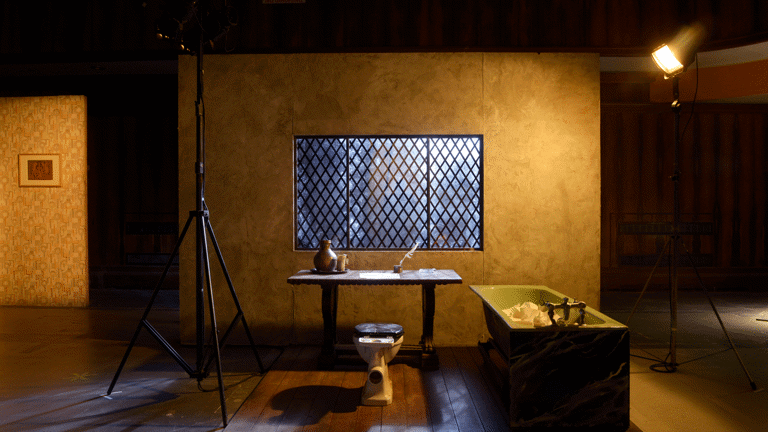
(214, 329)
(240, 314)
(125, 358)
(722, 325)
(151, 302)
(647, 281)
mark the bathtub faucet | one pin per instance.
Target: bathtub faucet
(566, 307)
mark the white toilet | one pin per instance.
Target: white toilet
(378, 344)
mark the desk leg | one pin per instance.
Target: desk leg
(330, 304)
(429, 358)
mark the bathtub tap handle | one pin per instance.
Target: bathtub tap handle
(580, 305)
(551, 312)
(566, 307)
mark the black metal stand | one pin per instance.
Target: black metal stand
(670, 364)
(203, 276)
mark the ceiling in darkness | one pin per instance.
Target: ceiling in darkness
(49, 38)
(126, 29)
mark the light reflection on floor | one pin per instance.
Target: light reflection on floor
(710, 390)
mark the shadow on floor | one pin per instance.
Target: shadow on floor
(57, 364)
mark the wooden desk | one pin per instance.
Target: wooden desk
(330, 284)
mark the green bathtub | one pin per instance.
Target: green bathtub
(570, 377)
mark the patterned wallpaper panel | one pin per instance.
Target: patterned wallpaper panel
(43, 230)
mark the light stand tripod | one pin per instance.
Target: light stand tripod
(675, 242)
(203, 275)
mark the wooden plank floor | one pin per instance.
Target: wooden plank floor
(294, 396)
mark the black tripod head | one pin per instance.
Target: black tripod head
(188, 23)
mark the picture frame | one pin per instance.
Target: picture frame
(39, 170)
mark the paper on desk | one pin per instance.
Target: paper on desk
(380, 275)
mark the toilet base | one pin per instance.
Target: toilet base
(377, 399)
(378, 386)
(378, 344)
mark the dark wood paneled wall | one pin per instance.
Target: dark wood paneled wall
(132, 179)
(611, 27)
(724, 181)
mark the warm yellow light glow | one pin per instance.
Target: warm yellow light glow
(667, 61)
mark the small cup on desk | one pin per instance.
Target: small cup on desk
(341, 262)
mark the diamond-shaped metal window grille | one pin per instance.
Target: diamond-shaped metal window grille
(388, 192)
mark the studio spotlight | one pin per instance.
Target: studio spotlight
(674, 57)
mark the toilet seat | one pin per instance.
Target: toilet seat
(379, 330)
(372, 340)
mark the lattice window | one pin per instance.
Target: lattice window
(388, 192)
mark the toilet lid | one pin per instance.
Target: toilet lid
(379, 330)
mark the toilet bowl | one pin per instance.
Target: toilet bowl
(378, 344)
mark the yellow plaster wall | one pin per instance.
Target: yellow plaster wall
(43, 230)
(539, 115)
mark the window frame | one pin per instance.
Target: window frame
(480, 188)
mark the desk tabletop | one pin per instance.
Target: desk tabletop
(377, 277)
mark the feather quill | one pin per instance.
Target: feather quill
(410, 253)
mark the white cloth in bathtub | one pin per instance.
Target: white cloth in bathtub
(529, 313)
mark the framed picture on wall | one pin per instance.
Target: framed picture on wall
(39, 170)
